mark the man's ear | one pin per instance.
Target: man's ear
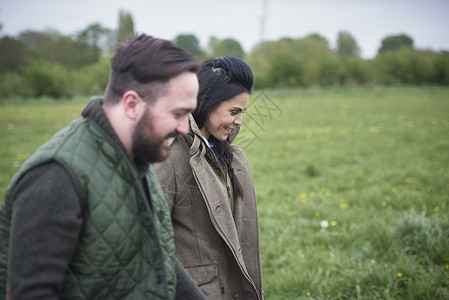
(132, 104)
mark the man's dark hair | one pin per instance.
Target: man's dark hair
(144, 65)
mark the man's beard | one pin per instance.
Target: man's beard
(146, 147)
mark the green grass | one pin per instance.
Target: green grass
(373, 162)
(26, 125)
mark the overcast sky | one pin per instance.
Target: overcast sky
(426, 21)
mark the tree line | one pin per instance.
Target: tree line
(35, 64)
(310, 61)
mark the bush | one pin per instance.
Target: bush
(92, 79)
(331, 70)
(43, 78)
(409, 66)
(354, 70)
(12, 84)
(47, 79)
(441, 66)
(294, 62)
(286, 70)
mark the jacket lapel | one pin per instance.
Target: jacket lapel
(215, 195)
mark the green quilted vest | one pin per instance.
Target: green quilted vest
(126, 248)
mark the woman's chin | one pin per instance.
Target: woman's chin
(221, 137)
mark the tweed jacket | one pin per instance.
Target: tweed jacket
(217, 246)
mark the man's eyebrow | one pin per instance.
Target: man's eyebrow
(183, 109)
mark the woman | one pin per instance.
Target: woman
(209, 189)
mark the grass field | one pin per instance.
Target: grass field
(352, 186)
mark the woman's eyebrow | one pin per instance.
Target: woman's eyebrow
(238, 108)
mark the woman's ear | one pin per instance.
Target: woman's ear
(133, 105)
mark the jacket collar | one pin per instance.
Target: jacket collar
(194, 127)
(196, 135)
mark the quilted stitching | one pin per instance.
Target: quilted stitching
(122, 229)
(122, 245)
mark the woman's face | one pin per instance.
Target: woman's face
(225, 117)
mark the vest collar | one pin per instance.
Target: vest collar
(94, 111)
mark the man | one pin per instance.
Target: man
(85, 217)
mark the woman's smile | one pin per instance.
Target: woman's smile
(228, 112)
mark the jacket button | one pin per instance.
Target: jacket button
(248, 294)
(235, 295)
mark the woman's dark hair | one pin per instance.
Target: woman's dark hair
(145, 64)
(220, 80)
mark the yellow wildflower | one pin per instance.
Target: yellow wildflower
(301, 196)
(22, 156)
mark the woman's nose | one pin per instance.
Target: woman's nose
(238, 120)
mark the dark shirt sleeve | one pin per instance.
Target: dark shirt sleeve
(186, 288)
(45, 226)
